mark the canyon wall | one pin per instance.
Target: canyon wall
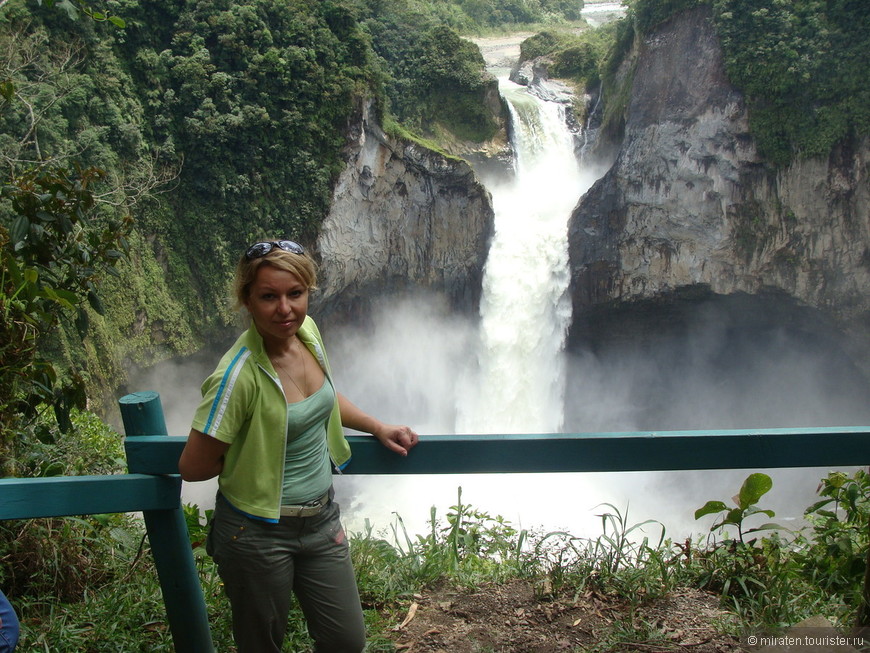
(689, 207)
(403, 219)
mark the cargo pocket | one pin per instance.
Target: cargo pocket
(228, 526)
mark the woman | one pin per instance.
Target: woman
(268, 425)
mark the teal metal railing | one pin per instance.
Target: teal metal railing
(157, 495)
(153, 486)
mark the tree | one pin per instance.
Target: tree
(52, 253)
(83, 6)
(53, 242)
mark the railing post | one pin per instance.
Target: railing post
(142, 414)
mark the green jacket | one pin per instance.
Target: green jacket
(243, 405)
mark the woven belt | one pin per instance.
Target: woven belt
(306, 509)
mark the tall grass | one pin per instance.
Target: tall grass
(98, 590)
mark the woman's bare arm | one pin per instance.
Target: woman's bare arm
(202, 457)
(394, 437)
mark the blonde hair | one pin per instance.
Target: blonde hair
(300, 265)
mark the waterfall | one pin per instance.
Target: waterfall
(519, 384)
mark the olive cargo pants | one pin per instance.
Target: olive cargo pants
(261, 563)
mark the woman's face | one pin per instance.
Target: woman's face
(278, 303)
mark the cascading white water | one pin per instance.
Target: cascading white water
(519, 386)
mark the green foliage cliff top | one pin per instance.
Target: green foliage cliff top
(800, 63)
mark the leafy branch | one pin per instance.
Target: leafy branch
(52, 252)
(754, 487)
(73, 8)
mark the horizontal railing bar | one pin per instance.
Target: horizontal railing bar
(154, 454)
(575, 452)
(60, 496)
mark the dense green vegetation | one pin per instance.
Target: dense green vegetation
(175, 140)
(803, 68)
(434, 77)
(576, 56)
(51, 257)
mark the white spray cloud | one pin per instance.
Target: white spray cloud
(623, 389)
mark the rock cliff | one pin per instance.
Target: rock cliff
(403, 218)
(688, 203)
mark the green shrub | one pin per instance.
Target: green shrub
(836, 557)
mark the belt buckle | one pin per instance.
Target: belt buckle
(307, 510)
(311, 509)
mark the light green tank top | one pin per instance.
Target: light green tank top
(307, 470)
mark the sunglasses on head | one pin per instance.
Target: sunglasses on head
(258, 250)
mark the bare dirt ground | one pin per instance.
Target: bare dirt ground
(510, 618)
